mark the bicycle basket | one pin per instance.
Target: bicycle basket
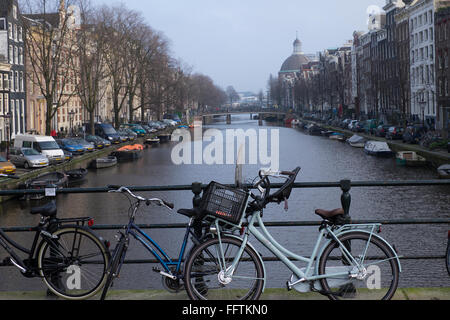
(224, 202)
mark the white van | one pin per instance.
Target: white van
(43, 144)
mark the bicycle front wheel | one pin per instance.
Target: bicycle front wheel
(371, 273)
(73, 265)
(208, 275)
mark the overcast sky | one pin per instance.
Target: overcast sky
(242, 42)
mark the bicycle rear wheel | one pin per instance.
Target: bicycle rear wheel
(113, 269)
(205, 272)
(377, 280)
(73, 265)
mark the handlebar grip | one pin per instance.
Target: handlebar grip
(169, 204)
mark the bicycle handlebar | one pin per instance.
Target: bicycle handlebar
(263, 185)
(157, 201)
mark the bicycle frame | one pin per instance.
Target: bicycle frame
(310, 273)
(153, 247)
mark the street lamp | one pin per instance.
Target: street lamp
(71, 114)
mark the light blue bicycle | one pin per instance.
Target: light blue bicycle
(349, 261)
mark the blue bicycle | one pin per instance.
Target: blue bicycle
(172, 272)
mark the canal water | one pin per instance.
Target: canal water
(321, 160)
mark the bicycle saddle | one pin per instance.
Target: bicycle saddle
(330, 214)
(48, 210)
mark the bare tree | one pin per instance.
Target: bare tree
(50, 47)
(90, 71)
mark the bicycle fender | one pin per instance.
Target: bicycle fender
(258, 255)
(397, 258)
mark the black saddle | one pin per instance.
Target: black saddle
(48, 210)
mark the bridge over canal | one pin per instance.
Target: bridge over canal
(274, 115)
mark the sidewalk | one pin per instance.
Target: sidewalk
(270, 294)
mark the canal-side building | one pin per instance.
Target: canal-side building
(403, 61)
(442, 36)
(422, 67)
(13, 48)
(5, 69)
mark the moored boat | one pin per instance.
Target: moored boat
(76, 175)
(130, 152)
(444, 171)
(378, 148)
(57, 179)
(105, 162)
(337, 136)
(410, 159)
(164, 137)
(152, 141)
(357, 141)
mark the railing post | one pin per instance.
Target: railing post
(196, 201)
(346, 199)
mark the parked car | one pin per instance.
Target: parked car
(105, 131)
(71, 146)
(6, 167)
(358, 127)
(156, 125)
(124, 137)
(99, 143)
(148, 129)
(395, 133)
(352, 124)
(170, 122)
(42, 144)
(344, 124)
(88, 147)
(413, 134)
(27, 158)
(382, 129)
(136, 128)
(370, 126)
(68, 155)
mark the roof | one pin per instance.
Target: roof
(51, 18)
(294, 63)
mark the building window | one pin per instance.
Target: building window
(15, 12)
(2, 24)
(10, 30)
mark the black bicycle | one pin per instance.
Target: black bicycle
(65, 253)
(172, 269)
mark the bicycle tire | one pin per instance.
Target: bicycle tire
(211, 284)
(116, 259)
(379, 280)
(68, 266)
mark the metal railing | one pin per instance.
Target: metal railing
(197, 188)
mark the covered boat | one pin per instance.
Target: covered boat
(444, 171)
(130, 152)
(357, 141)
(410, 159)
(378, 148)
(105, 162)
